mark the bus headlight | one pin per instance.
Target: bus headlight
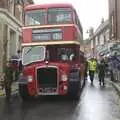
(64, 77)
(30, 78)
(65, 87)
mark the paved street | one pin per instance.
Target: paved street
(96, 103)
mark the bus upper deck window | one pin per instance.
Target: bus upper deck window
(35, 17)
(59, 15)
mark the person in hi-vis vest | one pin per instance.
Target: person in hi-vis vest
(92, 64)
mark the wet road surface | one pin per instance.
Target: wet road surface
(96, 103)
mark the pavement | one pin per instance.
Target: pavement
(116, 85)
(14, 89)
(96, 103)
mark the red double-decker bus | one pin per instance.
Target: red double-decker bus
(52, 61)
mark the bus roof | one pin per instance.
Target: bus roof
(46, 6)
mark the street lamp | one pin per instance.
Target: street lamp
(90, 31)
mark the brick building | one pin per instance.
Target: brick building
(114, 17)
(11, 21)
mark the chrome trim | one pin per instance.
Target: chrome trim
(48, 26)
(41, 93)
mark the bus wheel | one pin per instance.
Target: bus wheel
(23, 92)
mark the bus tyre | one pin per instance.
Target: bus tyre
(23, 92)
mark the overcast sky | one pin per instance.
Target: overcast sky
(90, 12)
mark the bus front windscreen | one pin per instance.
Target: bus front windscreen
(35, 17)
(59, 15)
(33, 54)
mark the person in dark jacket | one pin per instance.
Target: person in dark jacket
(101, 71)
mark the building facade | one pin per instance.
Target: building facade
(107, 34)
(11, 21)
(100, 39)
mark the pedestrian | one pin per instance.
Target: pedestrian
(101, 71)
(8, 78)
(114, 65)
(92, 64)
(16, 64)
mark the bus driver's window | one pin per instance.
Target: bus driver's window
(63, 55)
(72, 57)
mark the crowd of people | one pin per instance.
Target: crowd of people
(99, 67)
(102, 67)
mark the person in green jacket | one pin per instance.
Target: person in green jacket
(8, 78)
